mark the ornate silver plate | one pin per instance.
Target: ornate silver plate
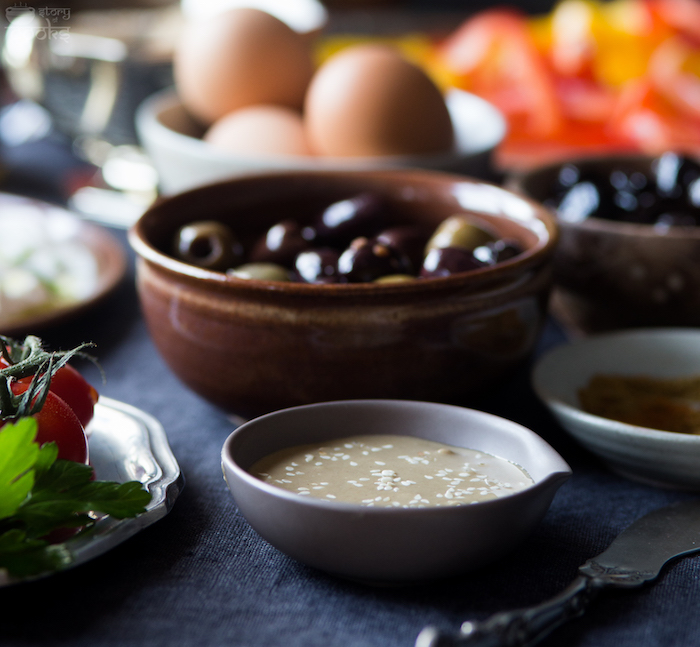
(126, 444)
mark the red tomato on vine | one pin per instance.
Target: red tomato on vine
(36, 383)
(57, 422)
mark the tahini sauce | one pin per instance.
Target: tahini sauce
(391, 471)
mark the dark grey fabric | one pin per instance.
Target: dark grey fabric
(202, 576)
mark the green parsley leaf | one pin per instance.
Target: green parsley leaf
(47, 457)
(23, 557)
(65, 493)
(18, 454)
(40, 494)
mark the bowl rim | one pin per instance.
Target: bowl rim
(515, 182)
(558, 469)
(148, 120)
(506, 270)
(617, 428)
(558, 356)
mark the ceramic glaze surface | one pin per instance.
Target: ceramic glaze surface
(264, 345)
(616, 274)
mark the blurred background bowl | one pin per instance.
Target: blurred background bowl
(661, 458)
(252, 346)
(183, 160)
(612, 274)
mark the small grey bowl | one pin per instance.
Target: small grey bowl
(391, 545)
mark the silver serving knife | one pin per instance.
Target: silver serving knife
(636, 556)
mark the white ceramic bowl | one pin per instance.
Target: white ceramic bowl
(390, 544)
(304, 16)
(184, 161)
(655, 457)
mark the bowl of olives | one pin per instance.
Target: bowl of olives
(629, 237)
(275, 290)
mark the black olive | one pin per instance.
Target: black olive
(579, 202)
(668, 195)
(209, 244)
(409, 240)
(367, 260)
(343, 221)
(318, 265)
(281, 244)
(444, 261)
(498, 251)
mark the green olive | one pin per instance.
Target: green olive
(260, 271)
(395, 278)
(459, 231)
(208, 244)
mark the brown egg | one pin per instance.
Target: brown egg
(368, 100)
(239, 58)
(260, 130)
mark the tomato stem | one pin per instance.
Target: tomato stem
(29, 359)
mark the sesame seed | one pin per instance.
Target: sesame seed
(446, 474)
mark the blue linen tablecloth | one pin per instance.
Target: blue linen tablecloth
(203, 577)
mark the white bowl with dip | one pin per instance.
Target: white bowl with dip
(386, 543)
(661, 458)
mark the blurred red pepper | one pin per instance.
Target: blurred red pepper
(682, 16)
(591, 76)
(494, 56)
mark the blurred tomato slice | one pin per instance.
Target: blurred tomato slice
(493, 55)
(584, 100)
(646, 118)
(674, 71)
(680, 15)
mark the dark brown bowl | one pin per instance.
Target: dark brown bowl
(253, 346)
(612, 274)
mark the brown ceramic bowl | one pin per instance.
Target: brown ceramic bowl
(612, 274)
(253, 346)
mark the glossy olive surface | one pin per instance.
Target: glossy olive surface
(252, 346)
(614, 272)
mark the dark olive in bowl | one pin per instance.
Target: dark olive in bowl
(634, 260)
